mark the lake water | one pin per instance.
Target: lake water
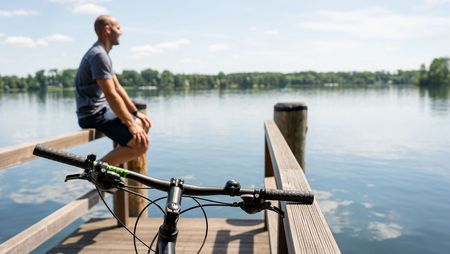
(377, 158)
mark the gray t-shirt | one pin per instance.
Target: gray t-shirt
(96, 64)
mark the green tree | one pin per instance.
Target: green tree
(67, 77)
(438, 74)
(422, 76)
(53, 77)
(11, 82)
(178, 81)
(32, 83)
(167, 80)
(151, 77)
(42, 80)
(131, 78)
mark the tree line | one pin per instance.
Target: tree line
(437, 74)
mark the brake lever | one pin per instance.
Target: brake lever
(82, 176)
(277, 210)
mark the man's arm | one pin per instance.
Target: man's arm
(124, 95)
(119, 107)
(129, 103)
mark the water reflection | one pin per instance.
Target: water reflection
(377, 226)
(439, 98)
(42, 96)
(384, 231)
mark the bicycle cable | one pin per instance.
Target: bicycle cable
(115, 216)
(206, 222)
(208, 200)
(137, 187)
(139, 217)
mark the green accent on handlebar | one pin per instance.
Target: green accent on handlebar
(120, 171)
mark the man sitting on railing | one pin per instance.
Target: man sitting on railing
(103, 104)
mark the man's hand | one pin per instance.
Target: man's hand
(139, 134)
(145, 120)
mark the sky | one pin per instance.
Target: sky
(204, 36)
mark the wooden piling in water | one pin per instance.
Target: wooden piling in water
(291, 119)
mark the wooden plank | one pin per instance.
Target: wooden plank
(305, 226)
(32, 237)
(272, 218)
(268, 169)
(13, 155)
(225, 236)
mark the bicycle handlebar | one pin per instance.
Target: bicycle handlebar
(302, 197)
(60, 156)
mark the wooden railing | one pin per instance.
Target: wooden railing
(37, 234)
(14, 155)
(304, 228)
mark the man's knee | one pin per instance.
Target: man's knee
(138, 148)
(142, 148)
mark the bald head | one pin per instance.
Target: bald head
(101, 22)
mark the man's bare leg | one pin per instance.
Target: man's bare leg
(122, 154)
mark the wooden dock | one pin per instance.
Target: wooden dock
(303, 229)
(225, 236)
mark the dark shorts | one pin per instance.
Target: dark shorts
(108, 123)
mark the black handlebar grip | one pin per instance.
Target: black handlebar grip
(301, 197)
(60, 156)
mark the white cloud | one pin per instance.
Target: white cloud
(55, 37)
(2, 34)
(218, 47)
(147, 50)
(173, 44)
(20, 41)
(19, 12)
(90, 8)
(384, 231)
(377, 23)
(27, 42)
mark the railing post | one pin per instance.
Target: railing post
(138, 165)
(291, 119)
(121, 203)
(125, 205)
